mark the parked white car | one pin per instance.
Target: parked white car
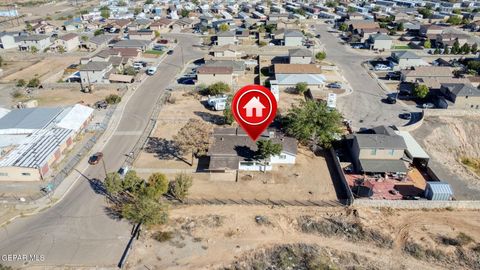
(151, 70)
(382, 67)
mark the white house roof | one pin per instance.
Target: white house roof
(415, 150)
(291, 79)
(29, 118)
(75, 117)
(3, 112)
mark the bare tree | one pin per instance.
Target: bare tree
(194, 137)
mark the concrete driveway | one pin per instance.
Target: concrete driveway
(78, 231)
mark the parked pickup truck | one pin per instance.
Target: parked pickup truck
(151, 70)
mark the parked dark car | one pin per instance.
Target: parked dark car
(186, 81)
(393, 75)
(406, 116)
(95, 158)
(391, 100)
(170, 52)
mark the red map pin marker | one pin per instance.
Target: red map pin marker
(254, 108)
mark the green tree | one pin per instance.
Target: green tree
(35, 82)
(84, 38)
(33, 49)
(148, 2)
(224, 27)
(121, 3)
(420, 91)
(113, 183)
(227, 113)
(425, 12)
(132, 183)
(157, 185)
(105, 13)
(446, 50)
(216, 89)
(270, 28)
(427, 44)
(267, 149)
(313, 122)
(157, 34)
(457, 11)
(129, 71)
(21, 83)
(465, 48)
(455, 20)
(343, 27)
(61, 49)
(98, 32)
(29, 27)
(474, 48)
(137, 10)
(113, 99)
(301, 88)
(400, 27)
(351, 9)
(437, 51)
(194, 137)
(184, 13)
(331, 4)
(320, 56)
(180, 186)
(456, 47)
(145, 210)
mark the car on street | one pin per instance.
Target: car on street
(381, 67)
(357, 46)
(151, 70)
(170, 52)
(318, 36)
(428, 105)
(95, 158)
(406, 116)
(123, 171)
(334, 85)
(391, 100)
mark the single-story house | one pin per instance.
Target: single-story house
(226, 38)
(288, 75)
(233, 150)
(421, 72)
(380, 42)
(407, 59)
(225, 52)
(143, 34)
(94, 72)
(292, 37)
(460, 96)
(300, 56)
(211, 74)
(141, 45)
(161, 25)
(98, 41)
(27, 43)
(68, 42)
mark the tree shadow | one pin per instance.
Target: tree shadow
(113, 211)
(98, 186)
(162, 148)
(211, 118)
(245, 152)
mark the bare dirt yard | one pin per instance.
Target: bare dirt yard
(262, 237)
(67, 96)
(308, 179)
(449, 140)
(45, 69)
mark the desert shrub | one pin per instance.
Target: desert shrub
(162, 236)
(21, 83)
(35, 82)
(17, 94)
(113, 99)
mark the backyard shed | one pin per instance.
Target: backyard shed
(438, 191)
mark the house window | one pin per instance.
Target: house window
(26, 174)
(373, 152)
(391, 152)
(282, 157)
(3, 174)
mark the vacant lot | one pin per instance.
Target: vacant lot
(448, 140)
(47, 70)
(245, 237)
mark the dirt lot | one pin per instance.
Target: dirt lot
(45, 70)
(255, 237)
(308, 179)
(67, 96)
(287, 100)
(448, 139)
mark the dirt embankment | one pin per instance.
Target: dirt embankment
(260, 237)
(448, 140)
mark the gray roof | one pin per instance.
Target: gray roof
(293, 33)
(405, 55)
(235, 65)
(131, 43)
(300, 52)
(100, 39)
(95, 66)
(31, 38)
(29, 118)
(462, 89)
(232, 145)
(380, 36)
(383, 165)
(226, 34)
(383, 137)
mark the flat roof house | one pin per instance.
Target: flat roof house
(233, 150)
(288, 75)
(212, 74)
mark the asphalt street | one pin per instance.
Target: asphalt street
(364, 107)
(78, 230)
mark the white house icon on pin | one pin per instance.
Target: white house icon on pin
(254, 103)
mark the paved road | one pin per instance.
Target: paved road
(364, 106)
(78, 230)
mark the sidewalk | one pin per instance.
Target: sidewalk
(9, 212)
